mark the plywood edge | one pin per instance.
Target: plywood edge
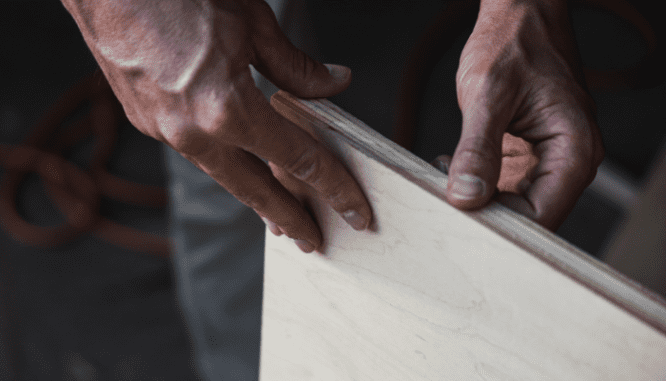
(540, 242)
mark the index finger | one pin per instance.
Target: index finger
(272, 137)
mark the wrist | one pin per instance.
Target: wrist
(542, 27)
(518, 2)
(550, 15)
(548, 7)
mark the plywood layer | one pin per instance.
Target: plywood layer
(433, 293)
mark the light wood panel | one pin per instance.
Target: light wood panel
(433, 293)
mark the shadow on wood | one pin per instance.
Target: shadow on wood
(433, 293)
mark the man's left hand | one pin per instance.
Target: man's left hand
(529, 127)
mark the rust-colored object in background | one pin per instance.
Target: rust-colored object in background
(74, 191)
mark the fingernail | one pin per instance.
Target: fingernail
(272, 227)
(340, 73)
(354, 219)
(304, 245)
(467, 187)
(442, 166)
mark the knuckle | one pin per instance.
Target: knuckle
(485, 91)
(471, 83)
(469, 59)
(338, 196)
(467, 77)
(291, 228)
(302, 69)
(299, 63)
(305, 166)
(187, 139)
(252, 199)
(230, 121)
(480, 148)
(310, 167)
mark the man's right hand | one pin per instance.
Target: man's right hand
(181, 70)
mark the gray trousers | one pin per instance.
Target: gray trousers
(218, 258)
(219, 242)
(218, 261)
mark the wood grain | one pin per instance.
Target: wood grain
(433, 293)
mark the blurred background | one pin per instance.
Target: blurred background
(91, 310)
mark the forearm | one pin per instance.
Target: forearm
(554, 12)
(506, 3)
(504, 22)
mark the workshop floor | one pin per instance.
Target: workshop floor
(91, 311)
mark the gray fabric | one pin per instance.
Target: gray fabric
(218, 261)
(218, 258)
(219, 243)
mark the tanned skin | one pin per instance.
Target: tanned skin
(529, 124)
(181, 70)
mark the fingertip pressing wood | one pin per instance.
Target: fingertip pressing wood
(433, 293)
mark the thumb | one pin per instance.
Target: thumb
(475, 168)
(290, 69)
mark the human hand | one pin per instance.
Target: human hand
(181, 71)
(528, 122)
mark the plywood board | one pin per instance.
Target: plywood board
(433, 293)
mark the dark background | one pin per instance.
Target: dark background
(92, 311)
